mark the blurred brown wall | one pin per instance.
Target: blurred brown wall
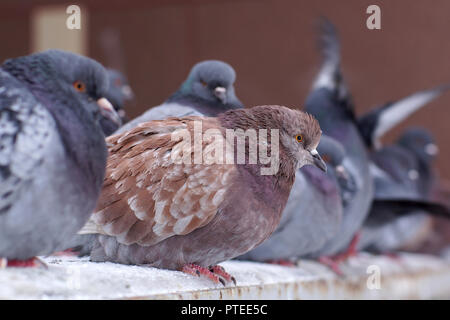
(271, 44)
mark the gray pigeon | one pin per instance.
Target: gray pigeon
(402, 171)
(52, 153)
(118, 93)
(331, 104)
(313, 213)
(208, 90)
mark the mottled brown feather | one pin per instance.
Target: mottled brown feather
(146, 197)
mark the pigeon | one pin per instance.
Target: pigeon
(53, 152)
(161, 206)
(118, 93)
(374, 124)
(330, 102)
(402, 173)
(208, 91)
(313, 211)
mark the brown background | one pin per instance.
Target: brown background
(271, 44)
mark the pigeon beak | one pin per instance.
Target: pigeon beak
(341, 172)
(317, 160)
(122, 114)
(221, 94)
(127, 92)
(431, 149)
(107, 110)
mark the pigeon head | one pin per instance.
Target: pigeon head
(119, 90)
(213, 81)
(118, 93)
(299, 132)
(300, 137)
(421, 143)
(56, 75)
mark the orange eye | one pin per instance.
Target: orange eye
(326, 158)
(299, 138)
(203, 83)
(117, 82)
(79, 86)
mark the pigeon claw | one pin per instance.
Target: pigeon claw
(199, 271)
(29, 263)
(215, 273)
(220, 271)
(3, 263)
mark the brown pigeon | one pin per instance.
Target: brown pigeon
(186, 193)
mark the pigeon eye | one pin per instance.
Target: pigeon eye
(203, 83)
(79, 86)
(117, 83)
(299, 138)
(326, 158)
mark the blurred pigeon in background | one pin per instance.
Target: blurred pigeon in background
(330, 102)
(183, 216)
(208, 91)
(53, 152)
(118, 93)
(402, 172)
(313, 212)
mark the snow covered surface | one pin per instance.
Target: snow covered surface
(409, 276)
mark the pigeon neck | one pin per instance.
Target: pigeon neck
(324, 183)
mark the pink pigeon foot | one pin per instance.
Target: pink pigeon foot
(214, 273)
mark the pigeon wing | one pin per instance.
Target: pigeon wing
(25, 130)
(374, 124)
(148, 197)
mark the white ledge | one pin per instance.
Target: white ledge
(409, 277)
